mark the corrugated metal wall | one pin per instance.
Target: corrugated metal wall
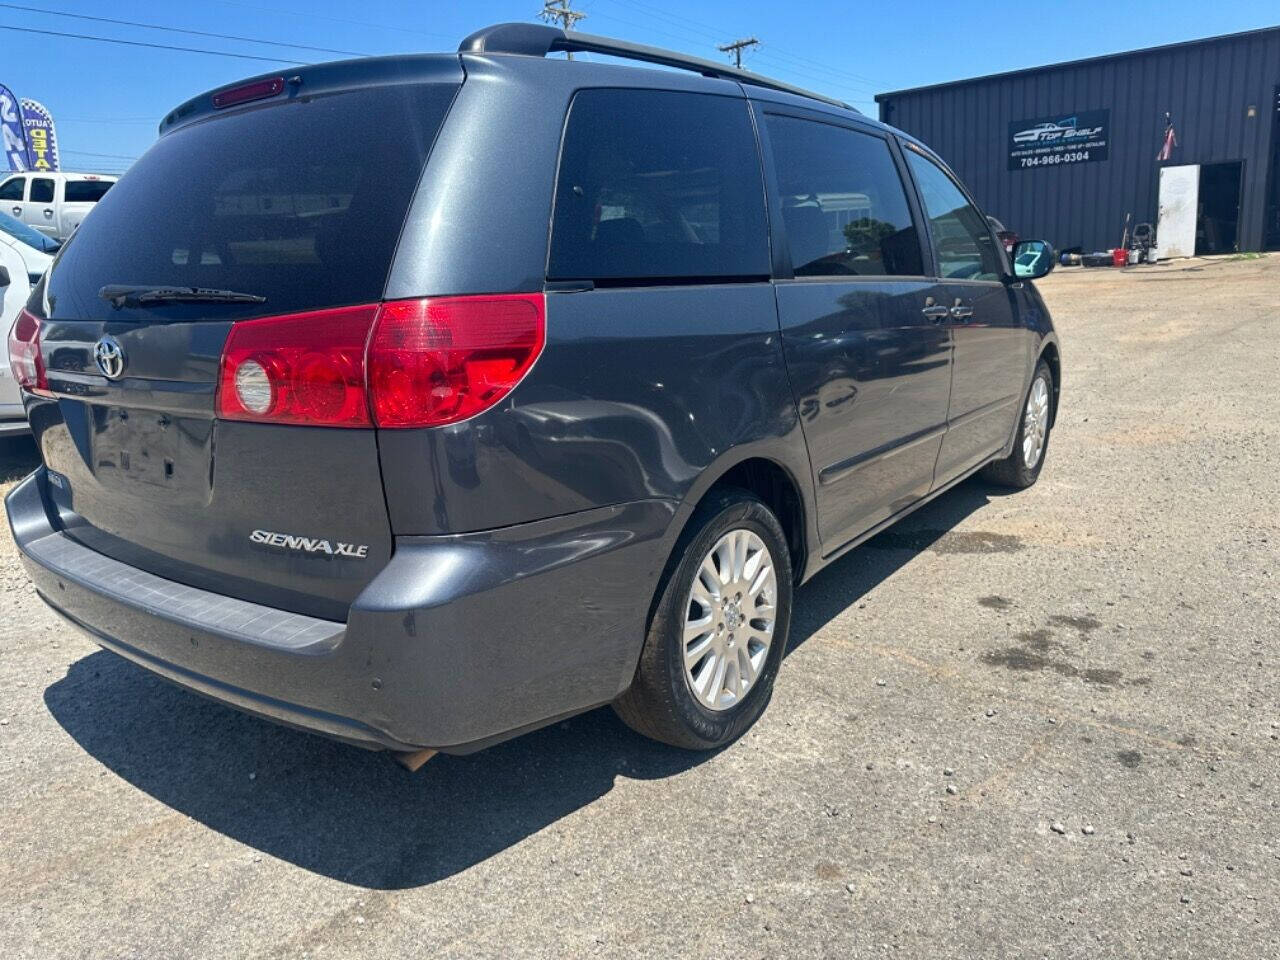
(1206, 86)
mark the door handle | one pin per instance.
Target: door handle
(961, 313)
(17, 211)
(48, 214)
(935, 311)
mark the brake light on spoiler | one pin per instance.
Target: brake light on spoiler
(259, 90)
(399, 364)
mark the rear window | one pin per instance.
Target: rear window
(658, 185)
(85, 191)
(300, 202)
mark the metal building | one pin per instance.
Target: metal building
(1065, 152)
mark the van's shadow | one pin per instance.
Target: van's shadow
(356, 816)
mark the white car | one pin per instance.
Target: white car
(34, 247)
(15, 287)
(53, 203)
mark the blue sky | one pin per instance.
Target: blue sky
(107, 99)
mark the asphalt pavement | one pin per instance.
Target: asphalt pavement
(1040, 724)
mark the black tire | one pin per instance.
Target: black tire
(659, 702)
(1013, 470)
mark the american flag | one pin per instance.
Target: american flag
(1170, 141)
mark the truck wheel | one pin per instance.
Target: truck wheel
(1021, 468)
(719, 630)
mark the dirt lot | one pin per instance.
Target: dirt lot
(1020, 726)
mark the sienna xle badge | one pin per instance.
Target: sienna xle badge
(346, 437)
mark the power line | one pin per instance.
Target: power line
(733, 49)
(259, 8)
(154, 120)
(559, 10)
(787, 68)
(690, 25)
(153, 46)
(554, 11)
(812, 64)
(811, 77)
(104, 156)
(195, 33)
(714, 33)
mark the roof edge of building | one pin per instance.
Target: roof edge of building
(1070, 64)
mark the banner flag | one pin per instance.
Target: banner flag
(42, 137)
(1170, 141)
(11, 133)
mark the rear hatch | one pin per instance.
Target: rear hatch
(296, 202)
(80, 195)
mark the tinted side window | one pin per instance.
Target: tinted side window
(961, 236)
(12, 189)
(85, 191)
(843, 204)
(655, 184)
(42, 191)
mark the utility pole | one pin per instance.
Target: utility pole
(557, 11)
(736, 49)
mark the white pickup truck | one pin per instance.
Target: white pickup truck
(53, 203)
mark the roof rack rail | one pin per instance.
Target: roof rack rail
(537, 40)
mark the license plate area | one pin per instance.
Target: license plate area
(133, 450)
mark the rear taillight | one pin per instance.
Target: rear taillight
(24, 354)
(406, 363)
(433, 362)
(305, 368)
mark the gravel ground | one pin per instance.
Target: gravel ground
(1040, 724)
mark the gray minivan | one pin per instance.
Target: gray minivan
(454, 394)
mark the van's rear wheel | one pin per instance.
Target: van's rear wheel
(1022, 467)
(719, 631)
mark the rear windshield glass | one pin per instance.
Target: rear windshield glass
(658, 185)
(299, 202)
(86, 191)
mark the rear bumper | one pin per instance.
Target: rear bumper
(459, 642)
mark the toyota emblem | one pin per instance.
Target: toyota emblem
(109, 357)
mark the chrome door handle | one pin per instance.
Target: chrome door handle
(936, 313)
(961, 313)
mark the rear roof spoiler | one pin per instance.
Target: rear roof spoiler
(537, 40)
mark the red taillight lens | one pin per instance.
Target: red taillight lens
(25, 357)
(438, 361)
(305, 368)
(426, 363)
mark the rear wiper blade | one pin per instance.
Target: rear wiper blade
(137, 295)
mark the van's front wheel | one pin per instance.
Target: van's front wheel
(719, 631)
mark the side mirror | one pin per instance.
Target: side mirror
(5, 279)
(1032, 259)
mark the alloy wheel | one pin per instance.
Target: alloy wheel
(1035, 423)
(729, 619)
